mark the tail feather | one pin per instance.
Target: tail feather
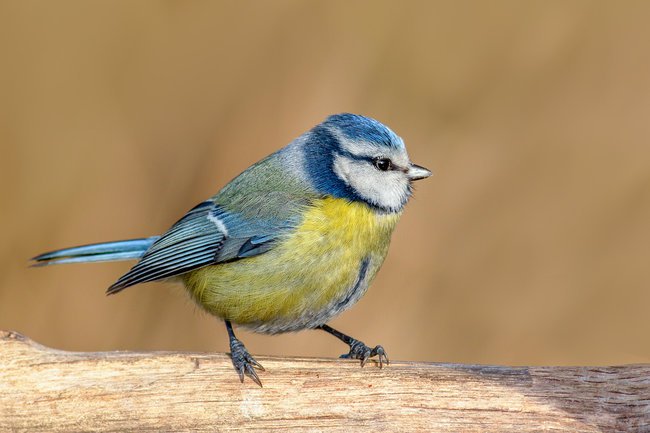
(102, 252)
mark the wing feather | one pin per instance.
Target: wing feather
(190, 244)
(206, 235)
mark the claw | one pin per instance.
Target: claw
(381, 355)
(250, 371)
(243, 362)
(358, 350)
(255, 364)
(364, 358)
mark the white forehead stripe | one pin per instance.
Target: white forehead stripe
(220, 225)
(359, 148)
(368, 149)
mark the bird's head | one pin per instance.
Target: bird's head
(359, 158)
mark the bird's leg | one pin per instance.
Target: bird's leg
(244, 363)
(358, 350)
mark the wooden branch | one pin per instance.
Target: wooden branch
(46, 390)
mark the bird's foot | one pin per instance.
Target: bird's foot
(358, 350)
(244, 363)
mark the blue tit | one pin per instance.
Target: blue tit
(288, 244)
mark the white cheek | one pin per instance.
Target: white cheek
(387, 189)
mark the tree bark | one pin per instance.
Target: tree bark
(47, 390)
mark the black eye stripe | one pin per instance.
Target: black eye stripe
(369, 159)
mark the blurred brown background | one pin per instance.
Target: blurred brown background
(530, 244)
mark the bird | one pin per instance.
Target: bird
(288, 244)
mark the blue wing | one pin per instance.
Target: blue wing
(206, 235)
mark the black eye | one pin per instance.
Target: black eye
(383, 164)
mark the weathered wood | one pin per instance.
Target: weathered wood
(46, 390)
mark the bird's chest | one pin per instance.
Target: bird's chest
(333, 255)
(336, 236)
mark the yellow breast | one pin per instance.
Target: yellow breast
(306, 276)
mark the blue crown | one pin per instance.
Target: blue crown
(359, 128)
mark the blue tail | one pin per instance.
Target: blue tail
(102, 252)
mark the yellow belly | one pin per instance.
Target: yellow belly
(306, 277)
